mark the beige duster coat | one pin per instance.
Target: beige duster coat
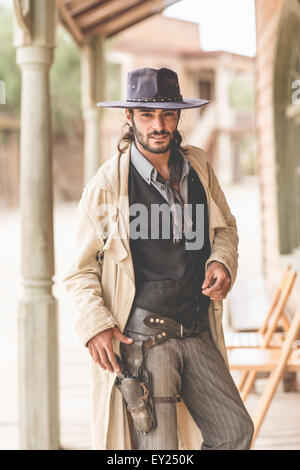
(103, 292)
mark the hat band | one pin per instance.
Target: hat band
(153, 100)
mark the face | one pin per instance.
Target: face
(154, 128)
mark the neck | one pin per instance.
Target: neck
(158, 160)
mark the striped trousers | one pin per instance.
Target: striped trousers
(193, 368)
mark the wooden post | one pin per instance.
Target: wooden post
(223, 165)
(93, 90)
(37, 322)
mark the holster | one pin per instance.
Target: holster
(136, 395)
(136, 385)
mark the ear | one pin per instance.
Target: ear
(128, 116)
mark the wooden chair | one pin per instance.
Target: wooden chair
(264, 336)
(273, 360)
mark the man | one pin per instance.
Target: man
(150, 295)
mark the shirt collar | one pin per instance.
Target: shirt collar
(142, 165)
(147, 170)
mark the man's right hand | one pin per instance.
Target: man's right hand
(101, 350)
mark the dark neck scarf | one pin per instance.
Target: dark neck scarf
(175, 173)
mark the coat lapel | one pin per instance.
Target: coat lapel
(215, 216)
(117, 245)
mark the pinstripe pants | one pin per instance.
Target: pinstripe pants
(193, 368)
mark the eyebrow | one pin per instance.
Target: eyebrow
(150, 110)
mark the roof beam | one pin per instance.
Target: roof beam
(129, 16)
(76, 8)
(70, 22)
(105, 12)
(87, 18)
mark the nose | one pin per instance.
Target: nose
(158, 124)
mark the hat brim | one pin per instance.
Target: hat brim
(184, 104)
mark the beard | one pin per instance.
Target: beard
(144, 140)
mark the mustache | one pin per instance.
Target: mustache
(157, 134)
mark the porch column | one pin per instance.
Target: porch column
(224, 164)
(35, 30)
(92, 90)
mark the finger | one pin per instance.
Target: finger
(208, 278)
(113, 360)
(223, 291)
(217, 287)
(212, 291)
(96, 357)
(218, 297)
(122, 338)
(90, 348)
(100, 364)
(92, 352)
(104, 360)
(214, 282)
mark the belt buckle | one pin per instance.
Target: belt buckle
(181, 330)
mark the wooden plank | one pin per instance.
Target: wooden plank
(264, 327)
(89, 18)
(124, 16)
(280, 309)
(249, 382)
(81, 6)
(129, 17)
(72, 25)
(261, 359)
(282, 365)
(106, 11)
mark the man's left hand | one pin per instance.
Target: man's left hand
(217, 281)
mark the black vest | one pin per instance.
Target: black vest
(168, 277)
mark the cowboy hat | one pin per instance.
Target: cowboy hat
(151, 88)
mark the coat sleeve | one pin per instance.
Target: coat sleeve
(225, 245)
(82, 279)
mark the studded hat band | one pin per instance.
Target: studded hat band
(162, 99)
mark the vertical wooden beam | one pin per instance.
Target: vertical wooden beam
(70, 22)
(224, 158)
(93, 90)
(37, 320)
